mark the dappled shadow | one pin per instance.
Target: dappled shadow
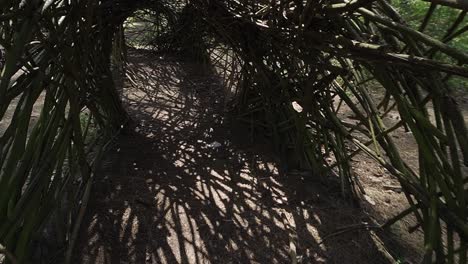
(182, 187)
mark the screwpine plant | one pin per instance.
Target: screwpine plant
(295, 66)
(57, 63)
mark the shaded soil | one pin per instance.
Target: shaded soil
(187, 186)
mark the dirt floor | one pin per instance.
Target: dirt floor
(184, 187)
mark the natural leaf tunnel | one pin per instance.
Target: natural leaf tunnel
(303, 74)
